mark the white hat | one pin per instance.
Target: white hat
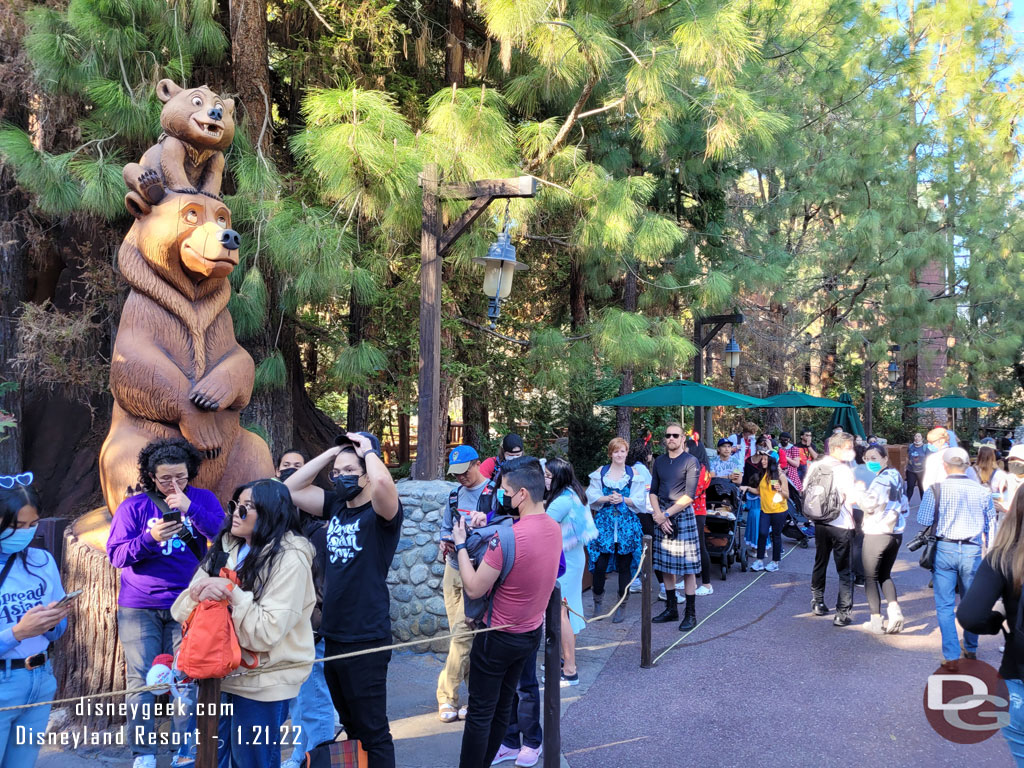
(1017, 452)
(956, 456)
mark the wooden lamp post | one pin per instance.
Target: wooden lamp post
(435, 241)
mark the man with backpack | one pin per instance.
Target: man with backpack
(518, 584)
(464, 465)
(830, 492)
(960, 511)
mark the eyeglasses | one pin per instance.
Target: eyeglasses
(8, 481)
(180, 479)
(242, 510)
(673, 435)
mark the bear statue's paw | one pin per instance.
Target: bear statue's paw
(151, 186)
(204, 401)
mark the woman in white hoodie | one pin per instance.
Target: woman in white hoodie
(885, 508)
(270, 609)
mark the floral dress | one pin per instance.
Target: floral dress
(617, 524)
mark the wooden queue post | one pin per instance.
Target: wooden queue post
(646, 595)
(552, 680)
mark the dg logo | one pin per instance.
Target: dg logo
(966, 705)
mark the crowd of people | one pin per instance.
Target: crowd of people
(304, 570)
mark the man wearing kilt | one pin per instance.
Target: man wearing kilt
(676, 543)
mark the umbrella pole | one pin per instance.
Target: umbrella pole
(794, 422)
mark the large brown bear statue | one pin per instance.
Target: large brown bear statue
(177, 368)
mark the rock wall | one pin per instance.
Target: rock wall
(417, 598)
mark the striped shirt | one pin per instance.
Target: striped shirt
(965, 509)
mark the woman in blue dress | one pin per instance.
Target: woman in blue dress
(565, 505)
(616, 494)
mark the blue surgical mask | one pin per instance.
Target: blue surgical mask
(17, 540)
(874, 466)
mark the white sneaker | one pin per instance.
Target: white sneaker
(772, 566)
(757, 565)
(661, 594)
(636, 586)
(145, 761)
(705, 589)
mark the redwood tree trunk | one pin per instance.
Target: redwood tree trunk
(249, 67)
(455, 69)
(358, 416)
(624, 416)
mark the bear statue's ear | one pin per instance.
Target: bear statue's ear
(167, 90)
(229, 106)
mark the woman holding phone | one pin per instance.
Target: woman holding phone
(157, 539)
(32, 617)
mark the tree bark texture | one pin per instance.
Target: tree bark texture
(88, 659)
(455, 67)
(249, 68)
(358, 415)
(624, 416)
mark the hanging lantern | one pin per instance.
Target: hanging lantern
(732, 356)
(500, 266)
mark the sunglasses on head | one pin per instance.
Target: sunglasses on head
(8, 481)
(242, 510)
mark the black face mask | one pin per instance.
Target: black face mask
(347, 487)
(284, 474)
(1015, 467)
(505, 506)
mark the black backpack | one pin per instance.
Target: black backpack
(821, 500)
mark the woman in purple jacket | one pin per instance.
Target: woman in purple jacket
(158, 552)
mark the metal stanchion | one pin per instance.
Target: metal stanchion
(552, 681)
(646, 595)
(207, 720)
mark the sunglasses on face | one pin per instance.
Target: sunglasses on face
(672, 435)
(240, 509)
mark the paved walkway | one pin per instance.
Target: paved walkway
(762, 683)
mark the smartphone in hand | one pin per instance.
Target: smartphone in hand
(70, 597)
(173, 515)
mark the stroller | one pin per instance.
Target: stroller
(797, 527)
(723, 526)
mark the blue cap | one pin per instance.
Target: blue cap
(724, 441)
(460, 458)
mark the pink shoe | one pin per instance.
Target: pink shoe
(528, 756)
(505, 754)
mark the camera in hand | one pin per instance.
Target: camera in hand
(919, 540)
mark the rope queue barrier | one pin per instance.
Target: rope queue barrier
(614, 608)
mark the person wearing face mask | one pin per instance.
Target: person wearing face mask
(364, 526)
(885, 509)
(32, 618)
(934, 468)
(498, 657)
(311, 711)
(157, 558)
(271, 606)
(917, 452)
(835, 538)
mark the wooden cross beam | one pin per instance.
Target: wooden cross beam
(435, 242)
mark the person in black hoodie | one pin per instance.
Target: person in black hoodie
(1001, 575)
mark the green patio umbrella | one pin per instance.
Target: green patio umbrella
(681, 393)
(953, 401)
(847, 417)
(793, 399)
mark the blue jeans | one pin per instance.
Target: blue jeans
(1014, 732)
(145, 633)
(251, 736)
(23, 686)
(954, 564)
(525, 720)
(312, 711)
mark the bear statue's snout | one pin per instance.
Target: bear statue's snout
(216, 113)
(229, 239)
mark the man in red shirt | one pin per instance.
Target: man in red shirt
(497, 658)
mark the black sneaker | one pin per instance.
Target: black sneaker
(841, 621)
(819, 609)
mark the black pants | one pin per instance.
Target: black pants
(914, 480)
(647, 526)
(857, 546)
(524, 720)
(774, 521)
(495, 666)
(623, 565)
(837, 542)
(359, 691)
(705, 556)
(880, 550)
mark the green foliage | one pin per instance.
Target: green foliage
(271, 373)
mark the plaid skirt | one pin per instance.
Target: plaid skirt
(678, 554)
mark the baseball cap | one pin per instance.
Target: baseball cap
(785, 435)
(955, 456)
(512, 442)
(343, 440)
(1016, 453)
(460, 458)
(724, 441)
